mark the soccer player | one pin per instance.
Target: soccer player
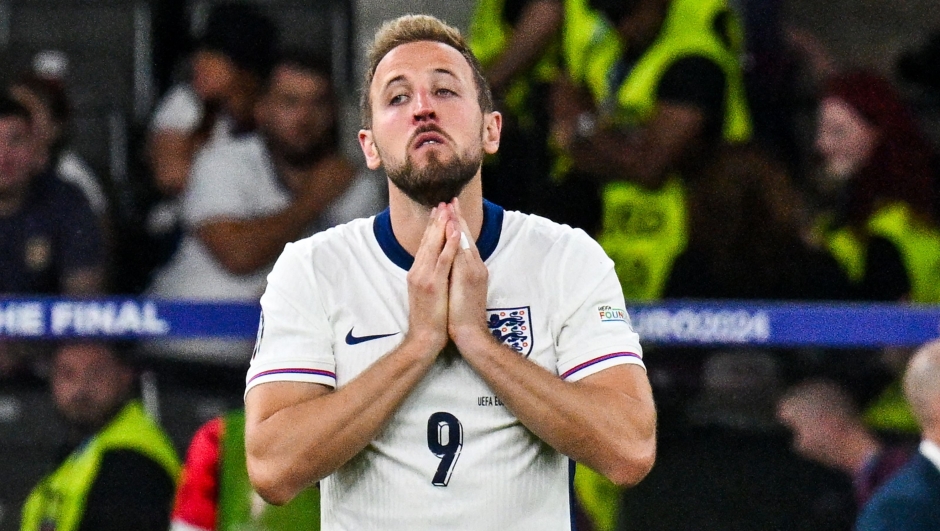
(440, 365)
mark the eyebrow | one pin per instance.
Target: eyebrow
(399, 79)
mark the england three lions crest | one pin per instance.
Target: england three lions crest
(512, 327)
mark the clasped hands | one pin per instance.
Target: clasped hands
(447, 284)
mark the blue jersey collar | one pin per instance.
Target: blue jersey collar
(486, 243)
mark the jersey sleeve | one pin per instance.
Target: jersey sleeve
(295, 339)
(595, 332)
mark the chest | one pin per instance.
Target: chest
(517, 315)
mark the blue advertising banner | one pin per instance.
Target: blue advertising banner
(668, 322)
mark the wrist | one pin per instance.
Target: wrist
(428, 343)
(471, 338)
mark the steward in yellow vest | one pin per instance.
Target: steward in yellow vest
(517, 44)
(665, 84)
(122, 474)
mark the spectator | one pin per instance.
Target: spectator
(215, 492)
(252, 195)
(665, 90)
(729, 467)
(49, 107)
(232, 59)
(876, 191)
(517, 43)
(909, 501)
(746, 224)
(827, 428)
(118, 468)
(50, 241)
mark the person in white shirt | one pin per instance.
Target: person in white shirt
(910, 501)
(232, 59)
(443, 364)
(251, 195)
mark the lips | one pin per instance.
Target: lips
(428, 138)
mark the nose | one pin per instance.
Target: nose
(423, 108)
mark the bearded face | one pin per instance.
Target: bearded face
(439, 179)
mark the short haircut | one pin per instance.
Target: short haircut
(306, 60)
(417, 28)
(10, 108)
(50, 91)
(820, 395)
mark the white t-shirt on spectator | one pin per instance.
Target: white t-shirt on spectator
(237, 180)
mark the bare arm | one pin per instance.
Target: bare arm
(647, 157)
(298, 433)
(245, 245)
(606, 421)
(539, 22)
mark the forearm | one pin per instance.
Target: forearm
(610, 156)
(291, 445)
(171, 156)
(539, 22)
(243, 246)
(606, 421)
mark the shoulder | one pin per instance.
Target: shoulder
(915, 485)
(541, 231)
(566, 255)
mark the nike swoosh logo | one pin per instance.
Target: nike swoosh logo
(353, 340)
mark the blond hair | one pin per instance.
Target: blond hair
(415, 28)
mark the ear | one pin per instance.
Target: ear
(492, 126)
(369, 149)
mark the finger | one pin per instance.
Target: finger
(465, 228)
(434, 235)
(452, 244)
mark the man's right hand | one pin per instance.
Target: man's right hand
(428, 281)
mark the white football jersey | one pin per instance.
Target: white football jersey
(453, 456)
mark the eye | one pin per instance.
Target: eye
(445, 92)
(398, 99)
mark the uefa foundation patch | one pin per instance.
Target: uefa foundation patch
(609, 314)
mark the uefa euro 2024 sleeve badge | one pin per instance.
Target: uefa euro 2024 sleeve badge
(512, 327)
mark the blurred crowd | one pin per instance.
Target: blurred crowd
(713, 153)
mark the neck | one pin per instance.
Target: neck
(409, 219)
